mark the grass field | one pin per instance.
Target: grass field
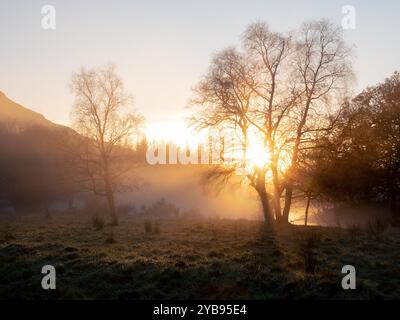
(202, 259)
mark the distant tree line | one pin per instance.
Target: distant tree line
(33, 169)
(38, 168)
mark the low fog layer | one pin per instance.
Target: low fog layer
(183, 187)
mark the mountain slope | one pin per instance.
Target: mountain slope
(14, 113)
(33, 161)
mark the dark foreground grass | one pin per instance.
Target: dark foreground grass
(208, 259)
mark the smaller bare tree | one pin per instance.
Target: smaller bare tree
(99, 115)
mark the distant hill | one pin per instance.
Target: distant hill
(32, 161)
(35, 158)
(14, 113)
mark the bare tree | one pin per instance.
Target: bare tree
(322, 70)
(225, 95)
(271, 72)
(283, 88)
(98, 114)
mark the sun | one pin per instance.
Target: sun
(257, 154)
(173, 131)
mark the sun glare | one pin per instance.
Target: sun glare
(257, 154)
(173, 131)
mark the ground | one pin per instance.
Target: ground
(201, 259)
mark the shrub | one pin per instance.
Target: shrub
(98, 223)
(199, 226)
(213, 232)
(354, 230)
(151, 227)
(8, 236)
(308, 245)
(110, 239)
(377, 228)
(148, 227)
(125, 209)
(162, 208)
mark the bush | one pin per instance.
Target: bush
(125, 209)
(162, 208)
(98, 223)
(148, 227)
(354, 230)
(214, 232)
(308, 245)
(110, 239)
(156, 228)
(8, 236)
(377, 228)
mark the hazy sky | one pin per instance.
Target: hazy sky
(161, 48)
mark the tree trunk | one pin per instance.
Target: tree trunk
(288, 204)
(307, 207)
(71, 207)
(111, 207)
(109, 192)
(111, 202)
(293, 167)
(262, 193)
(266, 208)
(393, 201)
(277, 192)
(47, 212)
(290, 182)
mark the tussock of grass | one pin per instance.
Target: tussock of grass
(98, 223)
(308, 246)
(377, 228)
(110, 239)
(8, 236)
(151, 227)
